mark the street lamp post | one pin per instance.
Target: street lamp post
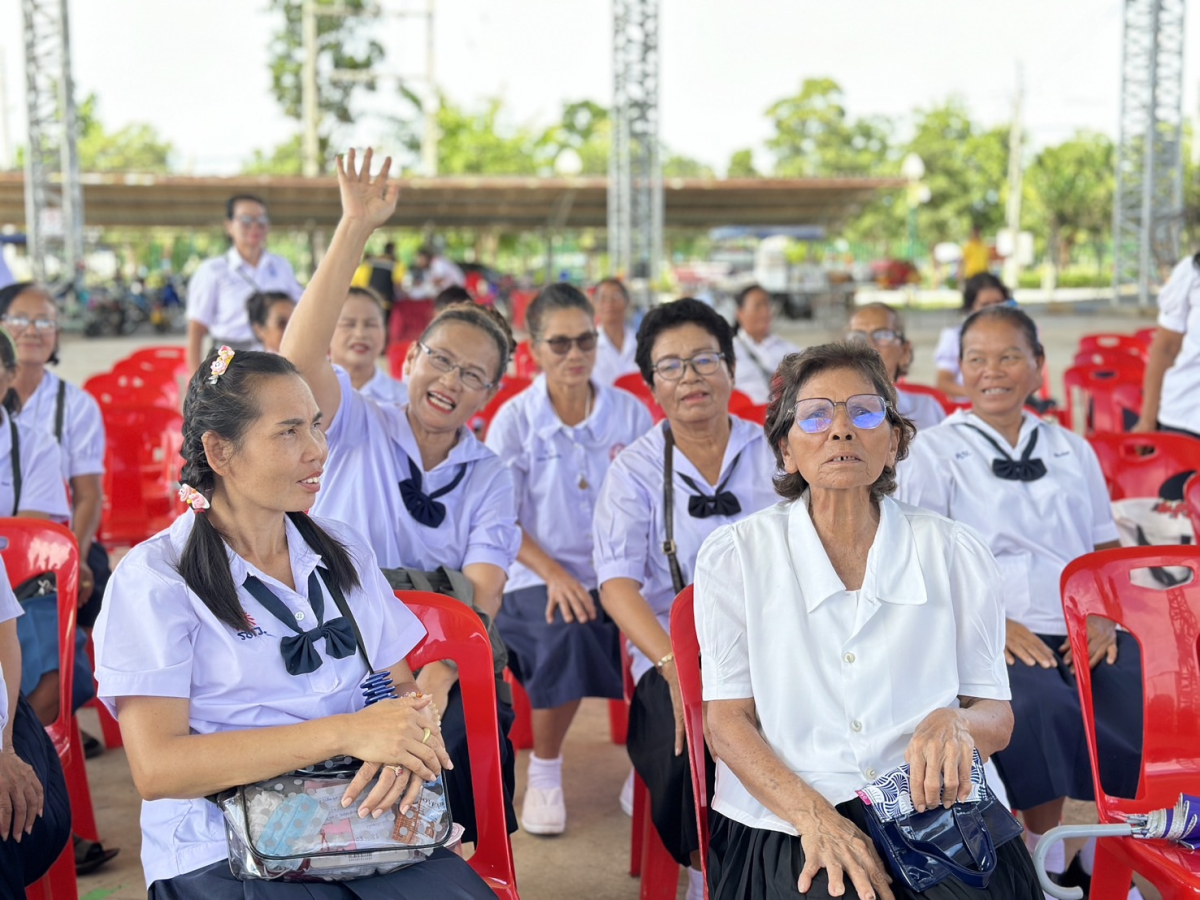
(913, 170)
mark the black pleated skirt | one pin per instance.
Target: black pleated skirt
(1047, 757)
(558, 662)
(444, 876)
(747, 863)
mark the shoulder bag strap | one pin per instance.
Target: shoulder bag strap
(60, 406)
(16, 463)
(339, 600)
(668, 546)
(754, 358)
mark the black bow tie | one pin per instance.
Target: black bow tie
(299, 650)
(722, 503)
(1009, 469)
(424, 507)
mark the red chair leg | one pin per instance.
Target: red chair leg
(618, 720)
(83, 818)
(1111, 877)
(59, 883)
(641, 800)
(521, 733)
(660, 872)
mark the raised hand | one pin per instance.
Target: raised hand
(372, 200)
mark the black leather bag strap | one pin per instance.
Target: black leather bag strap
(60, 408)
(339, 600)
(668, 546)
(16, 463)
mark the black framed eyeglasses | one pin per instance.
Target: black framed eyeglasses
(470, 378)
(671, 368)
(880, 336)
(815, 414)
(561, 344)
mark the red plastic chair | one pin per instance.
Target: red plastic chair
(1136, 465)
(1113, 392)
(1125, 343)
(743, 407)
(1146, 336)
(519, 302)
(636, 385)
(510, 386)
(948, 405)
(1103, 357)
(455, 632)
(686, 648)
(521, 732)
(524, 365)
(33, 547)
(128, 389)
(141, 465)
(167, 358)
(1191, 498)
(1167, 625)
(397, 353)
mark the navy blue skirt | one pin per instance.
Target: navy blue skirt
(445, 876)
(37, 632)
(1047, 757)
(559, 662)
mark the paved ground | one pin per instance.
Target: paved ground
(592, 858)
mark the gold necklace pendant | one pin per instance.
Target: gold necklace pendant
(583, 482)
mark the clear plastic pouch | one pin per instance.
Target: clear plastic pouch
(293, 827)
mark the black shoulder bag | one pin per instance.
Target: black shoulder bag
(669, 549)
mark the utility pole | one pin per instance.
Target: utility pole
(1016, 172)
(429, 131)
(308, 91)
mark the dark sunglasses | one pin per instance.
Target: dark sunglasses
(561, 345)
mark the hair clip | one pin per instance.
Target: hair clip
(220, 364)
(192, 497)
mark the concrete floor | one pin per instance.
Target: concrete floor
(592, 858)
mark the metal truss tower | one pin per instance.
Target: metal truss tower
(53, 195)
(1148, 212)
(635, 192)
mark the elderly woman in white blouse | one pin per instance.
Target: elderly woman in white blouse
(843, 634)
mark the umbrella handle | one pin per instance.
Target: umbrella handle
(1062, 833)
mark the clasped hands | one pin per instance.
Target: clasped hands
(406, 736)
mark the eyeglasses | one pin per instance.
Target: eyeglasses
(20, 323)
(470, 378)
(815, 414)
(561, 345)
(247, 221)
(877, 337)
(671, 368)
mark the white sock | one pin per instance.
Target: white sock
(545, 774)
(695, 888)
(1056, 859)
(1087, 856)
(1135, 894)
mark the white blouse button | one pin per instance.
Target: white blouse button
(856, 725)
(871, 774)
(300, 616)
(849, 657)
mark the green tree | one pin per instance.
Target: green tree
(815, 137)
(676, 165)
(136, 147)
(284, 159)
(1070, 187)
(584, 127)
(475, 142)
(741, 165)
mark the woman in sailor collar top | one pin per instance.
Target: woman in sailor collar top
(721, 471)
(358, 342)
(559, 438)
(759, 352)
(227, 651)
(843, 593)
(1036, 494)
(412, 478)
(616, 339)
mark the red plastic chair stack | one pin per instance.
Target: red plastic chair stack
(1119, 343)
(1191, 498)
(1136, 465)
(34, 547)
(1113, 393)
(137, 389)
(524, 365)
(636, 385)
(510, 386)
(455, 632)
(519, 302)
(1146, 336)
(743, 407)
(686, 648)
(1167, 625)
(141, 467)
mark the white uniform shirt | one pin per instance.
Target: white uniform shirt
(558, 470)
(612, 363)
(383, 388)
(630, 527)
(841, 679)
(757, 362)
(1179, 311)
(441, 274)
(924, 410)
(1033, 528)
(156, 638)
(945, 355)
(218, 292)
(10, 609)
(83, 440)
(42, 488)
(367, 446)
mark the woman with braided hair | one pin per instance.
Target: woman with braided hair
(196, 649)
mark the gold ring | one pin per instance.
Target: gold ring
(396, 770)
(425, 737)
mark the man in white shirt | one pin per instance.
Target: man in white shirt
(439, 273)
(217, 294)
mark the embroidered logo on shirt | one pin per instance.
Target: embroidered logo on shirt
(614, 451)
(251, 635)
(962, 454)
(1061, 453)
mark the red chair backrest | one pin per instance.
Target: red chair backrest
(1114, 389)
(636, 385)
(686, 648)
(397, 353)
(141, 468)
(518, 302)
(454, 631)
(1166, 624)
(510, 386)
(1105, 342)
(1136, 465)
(135, 389)
(743, 407)
(947, 404)
(34, 547)
(524, 365)
(1103, 358)
(1146, 336)
(165, 359)
(1191, 498)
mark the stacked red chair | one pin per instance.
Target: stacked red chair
(510, 386)
(636, 385)
(524, 365)
(1130, 344)
(135, 389)
(141, 468)
(1112, 393)
(1136, 465)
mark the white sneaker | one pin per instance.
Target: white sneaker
(627, 795)
(544, 812)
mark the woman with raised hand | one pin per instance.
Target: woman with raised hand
(759, 351)
(269, 313)
(881, 327)
(1035, 493)
(358, 342)
(413, 479)
(559, 438)
(669, 490)
(224, 651)
(616, 339)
